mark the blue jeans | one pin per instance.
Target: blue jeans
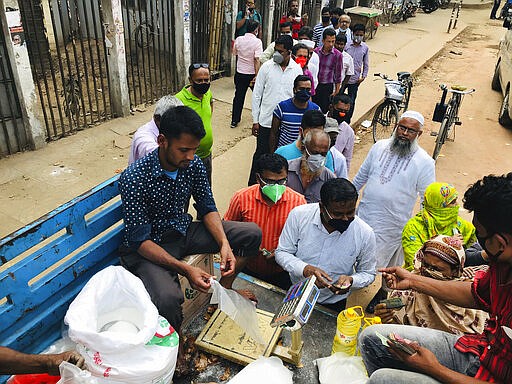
(384, 368)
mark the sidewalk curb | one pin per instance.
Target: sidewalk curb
(481, 5)
(368, 115)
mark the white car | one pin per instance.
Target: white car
(502, 79)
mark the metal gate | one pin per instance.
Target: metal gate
(281, 8)
(66, 45)
(150, 36)
(12, 132)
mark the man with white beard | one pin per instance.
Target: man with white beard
(395, 171)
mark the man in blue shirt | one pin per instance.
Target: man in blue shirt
(312, 119)
(159, 231)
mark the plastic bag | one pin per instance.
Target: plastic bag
(351, 368)
(267, 370)
(241, 310)
(119, 332)
(71, 374)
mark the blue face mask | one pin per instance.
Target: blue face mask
(334, 20)
(303, 95)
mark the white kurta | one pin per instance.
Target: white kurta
(392, 187)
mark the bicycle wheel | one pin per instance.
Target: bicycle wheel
(443, 132)
(384, 120)
(144, 35)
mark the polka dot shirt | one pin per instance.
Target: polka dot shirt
(154, 203)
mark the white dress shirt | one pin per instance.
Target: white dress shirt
(272, 86)
(305, 241)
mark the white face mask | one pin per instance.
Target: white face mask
(315, 162)
(357, 39)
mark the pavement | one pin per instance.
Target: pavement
(34, 183)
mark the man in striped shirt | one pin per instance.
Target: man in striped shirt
(288, 114)
(320, 27)
(444, 357)
(267, 204)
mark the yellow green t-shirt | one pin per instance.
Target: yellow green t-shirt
(204, 110)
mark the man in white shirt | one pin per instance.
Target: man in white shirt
(284, 29)
(328, 240)
(339, 161)
(394, 173)
(144, 139)
(274, 83)
(348, 62)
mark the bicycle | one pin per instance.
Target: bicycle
(448, 115)
(397, 95)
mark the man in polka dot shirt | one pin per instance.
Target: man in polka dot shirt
(159, 231)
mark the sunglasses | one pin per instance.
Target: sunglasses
(200, 65)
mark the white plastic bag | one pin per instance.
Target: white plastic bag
(332, 368)
(241, 310)
(265, 370)
(71, 374)
(143, 348)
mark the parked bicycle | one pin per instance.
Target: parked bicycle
(448, 115)
(397, 95)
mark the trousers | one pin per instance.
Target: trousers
(242, 82)
(384, 368)
(262, 146)
(163, 284)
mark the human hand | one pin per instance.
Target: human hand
(72, 357)
(360, 80)
(255, 129)
(342, 285)
(397, 278)
(423, 360)
(199, 279)
(305, 18)
(387, 315)
(323, 280)
(228, 261)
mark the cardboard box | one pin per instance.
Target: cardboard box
(195, 301)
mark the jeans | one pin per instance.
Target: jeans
(495, 7)
(384, 368)
(242, 82)
(262, 146)
(352, 92)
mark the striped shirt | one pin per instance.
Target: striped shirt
(318, 31)
(331, 66)
(291, 117)
(494, 347)
(248, 205)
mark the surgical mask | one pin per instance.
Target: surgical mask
(286, 34)
(429, 272)
(482, 240)
(338, 224)
(315, 162)
(273, 191)
(334, 20)
(201, 88)
(301, 60)
(277, 57)
(357, 39)
(325, 19)
(343, 30)
(303, 95)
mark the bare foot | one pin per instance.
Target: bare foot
(247, 294)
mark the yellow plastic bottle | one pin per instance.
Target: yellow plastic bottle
(367, 321)
(348, 325)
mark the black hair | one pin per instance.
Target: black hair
(252, 25)
(181, 119)
(339, 189)
(271, 162)
(298, 46)
(358, 27)
(491, 201)
(291, 1)
(338, 11)
(306, 31)
(312, 118)
(325, 10)
(285, 24)
(286, 41)
(341, 38)
(328, 32)
(345, 99)
(299, 79)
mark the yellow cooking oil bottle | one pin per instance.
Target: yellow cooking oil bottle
(347, 329)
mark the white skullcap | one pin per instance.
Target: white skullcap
(308, 43)
(414, 115)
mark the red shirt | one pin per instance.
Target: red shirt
(296, 25)
(492, 293)
(248, 205)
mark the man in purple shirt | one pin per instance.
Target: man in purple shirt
(360, 54)
(330, 68)
(144, 139)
